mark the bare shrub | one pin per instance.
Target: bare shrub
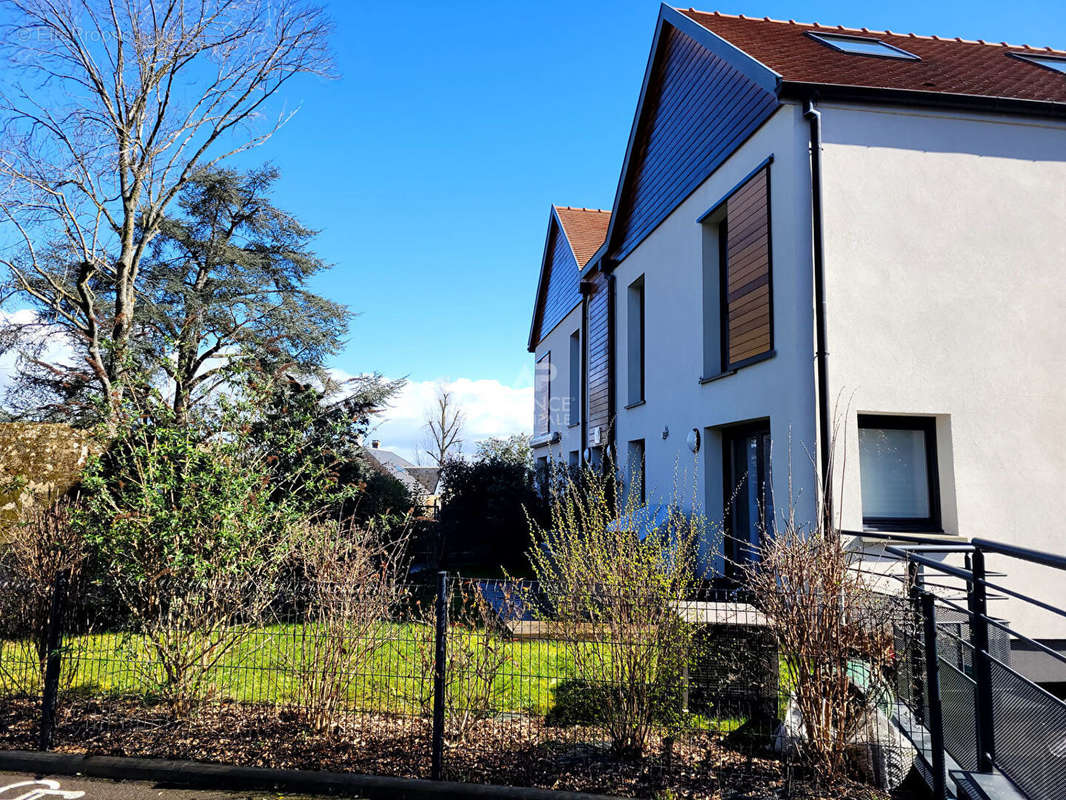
(40, 549)
(834, 626)
(615, 574)
(476, 655)
(356, 582)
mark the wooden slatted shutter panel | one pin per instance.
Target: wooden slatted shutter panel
(748, 306)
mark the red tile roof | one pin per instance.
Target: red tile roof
(585, 229)
(949, 66)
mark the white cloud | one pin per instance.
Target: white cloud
(490, 408)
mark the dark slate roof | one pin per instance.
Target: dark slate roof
(585, 229)
(428, 477)
(397, 466)
(944, 65)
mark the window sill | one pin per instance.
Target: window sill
(637, 404)
(544, 439)
(574, 424)
(733, 370)
(908, 530)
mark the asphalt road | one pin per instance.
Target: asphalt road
(20, 786)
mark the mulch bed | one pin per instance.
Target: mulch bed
(513, 750)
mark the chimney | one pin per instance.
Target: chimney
(374, 443)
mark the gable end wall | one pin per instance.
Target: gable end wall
(698, 110)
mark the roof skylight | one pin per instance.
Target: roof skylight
(861, 46)
(1057, 63)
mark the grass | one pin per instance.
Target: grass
(265, 667)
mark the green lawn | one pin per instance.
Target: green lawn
(265, 668)
(267, 664)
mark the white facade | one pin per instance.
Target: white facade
(944, 258)
(780, 389)
(945, 270)
(945, 254)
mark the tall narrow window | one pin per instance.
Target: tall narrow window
(898, 473)
(542, 393)
(635, 341)
(575, 378)
(714, 239)
(636, 468)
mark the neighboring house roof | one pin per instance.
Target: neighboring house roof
(574, 235)
(399, 468)
(428, 477)
(944, 65)
(584, 229)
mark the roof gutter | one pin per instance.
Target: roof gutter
(821, 354)
(795, 90)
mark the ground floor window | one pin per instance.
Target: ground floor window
(898, 472)
(635, 470)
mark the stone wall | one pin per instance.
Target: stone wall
(38, 461)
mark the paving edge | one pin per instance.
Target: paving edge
(199, 775)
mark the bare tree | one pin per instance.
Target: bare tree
(444, 422)
(112, 107)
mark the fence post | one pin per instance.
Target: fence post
(978, 602)
(914, 582)
(436, 771)
(53, 660)
(935, 721)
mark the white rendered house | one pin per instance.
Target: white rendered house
(827, 246)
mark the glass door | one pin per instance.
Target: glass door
(749, 510)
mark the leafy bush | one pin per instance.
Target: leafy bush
(616, 579)
(583, 702)
(184, 525)
(483, 516)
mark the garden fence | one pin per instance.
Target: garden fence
(469, 680)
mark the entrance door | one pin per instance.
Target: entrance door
(749, 507)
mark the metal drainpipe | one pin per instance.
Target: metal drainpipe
(612, 366)
(583, 399)
(821, 354)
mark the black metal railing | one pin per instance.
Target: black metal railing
(968, 712)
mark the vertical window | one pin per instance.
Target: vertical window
(542, 393)
(635, 340)
(635, 469)
(540, 473)
(575, 378)
(574, 462)
(714, 238)
(737, 287)
(898, 472)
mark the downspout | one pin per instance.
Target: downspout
(583, 399)
(821, 354)
(612, 368)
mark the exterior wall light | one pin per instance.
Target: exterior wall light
(693, 440)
